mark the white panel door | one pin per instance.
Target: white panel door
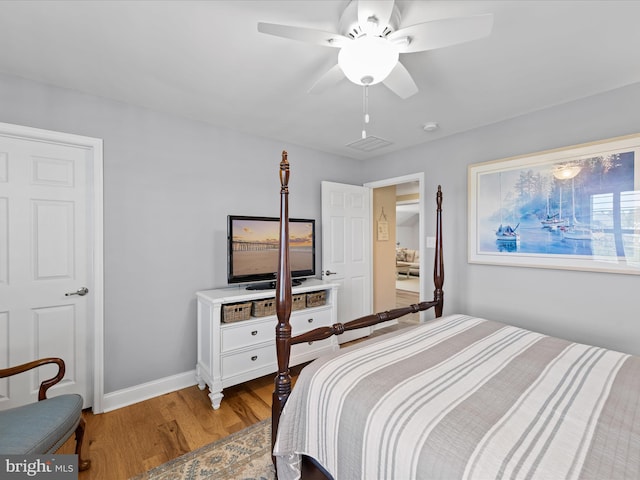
(44, 254)
(346, 250)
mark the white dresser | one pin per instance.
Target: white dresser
(232, 353)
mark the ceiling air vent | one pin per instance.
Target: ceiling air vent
(369, 144)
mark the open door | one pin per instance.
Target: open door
(346, 250)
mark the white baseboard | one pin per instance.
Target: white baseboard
(138, 393)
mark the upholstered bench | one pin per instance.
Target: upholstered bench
(44, 426)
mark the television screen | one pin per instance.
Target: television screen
(253, 248)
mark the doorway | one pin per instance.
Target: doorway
(401, 206)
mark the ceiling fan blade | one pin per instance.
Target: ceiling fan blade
(443, 33)
(400, 82)
(328, 80)
(303, 34)
(380, 9)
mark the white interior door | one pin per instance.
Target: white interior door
(46, 258)
(346, 250)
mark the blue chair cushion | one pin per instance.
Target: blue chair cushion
(41, 427)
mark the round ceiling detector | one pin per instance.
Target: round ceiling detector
(430, 126)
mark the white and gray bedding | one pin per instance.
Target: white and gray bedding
(463, 397)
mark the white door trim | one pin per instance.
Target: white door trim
(94, 146)
(415, 177)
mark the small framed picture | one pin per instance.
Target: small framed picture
(383, 230)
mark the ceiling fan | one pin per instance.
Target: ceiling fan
(371, 41)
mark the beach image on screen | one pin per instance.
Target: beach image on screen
(255, 246)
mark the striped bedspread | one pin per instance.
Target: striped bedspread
(463, 397)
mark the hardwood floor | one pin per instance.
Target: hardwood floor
(131, 440)
(404, 298)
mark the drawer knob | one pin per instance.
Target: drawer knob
(254, 333)
(310, 343)
(310, 320)
(254, 358)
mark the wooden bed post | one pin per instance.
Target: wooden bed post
(438, 264)
(282, 381)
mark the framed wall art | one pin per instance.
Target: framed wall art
(571, 208)
(383, 227)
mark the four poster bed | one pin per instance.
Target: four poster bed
(456, 397)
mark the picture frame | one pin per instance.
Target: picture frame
(383, 230)
(574, 208)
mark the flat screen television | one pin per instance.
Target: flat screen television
(252, 249)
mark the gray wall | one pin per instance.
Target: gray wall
(169, 184)
(409, 235)
(597, 308)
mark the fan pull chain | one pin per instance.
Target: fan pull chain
(365, 108)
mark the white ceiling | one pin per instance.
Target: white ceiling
(205, 60)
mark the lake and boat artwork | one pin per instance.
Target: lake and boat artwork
(583, 207)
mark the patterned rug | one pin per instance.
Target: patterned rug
(243, 455)
(411, 284)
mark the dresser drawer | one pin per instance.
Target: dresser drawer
(304, 321)
(309, 347)
(238, 363)
(236, 336)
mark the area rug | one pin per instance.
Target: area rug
(409, 284)
(243, 455)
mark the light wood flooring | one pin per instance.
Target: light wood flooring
(404, 298)
(131, 440)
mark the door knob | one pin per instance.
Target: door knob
(329, 272)
(81, 291)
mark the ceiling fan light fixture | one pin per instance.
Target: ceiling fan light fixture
(368, 60)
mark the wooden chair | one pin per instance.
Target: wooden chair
(44, 426)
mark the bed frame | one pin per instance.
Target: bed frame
(284, 340)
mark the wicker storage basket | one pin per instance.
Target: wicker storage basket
(262, 308)
(235, 312)
(315, 299)
(299, 301)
